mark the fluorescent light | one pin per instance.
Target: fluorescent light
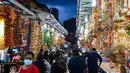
(1, 2)
(45, 26)
(94, 3)
(82, 29)
(53, 29)
(1, 28)
(86, 19)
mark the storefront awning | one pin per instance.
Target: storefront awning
(50, 19)
(45, 17)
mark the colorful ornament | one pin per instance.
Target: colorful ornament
(128, 30)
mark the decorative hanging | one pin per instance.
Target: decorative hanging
(128, 30)
(46, 37)
(17, 33)
(9, 16)
(128, 16)
(2, 33)
(34, 35)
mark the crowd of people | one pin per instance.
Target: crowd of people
(60, 62)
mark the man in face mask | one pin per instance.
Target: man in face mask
(28, 67)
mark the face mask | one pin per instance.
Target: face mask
(27, 62)
(65, 55)
(65, 46)
(53, 49)
(83, 50)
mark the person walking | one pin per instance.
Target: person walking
(76, 63)
(42, 64)
(59, 66)
(92, 61)
(28, 67)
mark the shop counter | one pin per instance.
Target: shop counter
(109, 67)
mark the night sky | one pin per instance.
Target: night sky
(67, 8)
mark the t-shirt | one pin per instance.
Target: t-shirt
(31, 69)
(77, 65)
(92, 59)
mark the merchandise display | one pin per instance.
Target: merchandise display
(34, 36)
(18, 29)
(107, 28)
(110, 68)
(31, 26)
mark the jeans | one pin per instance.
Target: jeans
(92, 70)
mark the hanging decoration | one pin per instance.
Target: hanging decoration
(34, 35)
(40, 36)
(128, 30)
(52, 35)
(128, 16)
(2, 33)
(9, 15)
(24, 29)
(46, 37)
(17, 33)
